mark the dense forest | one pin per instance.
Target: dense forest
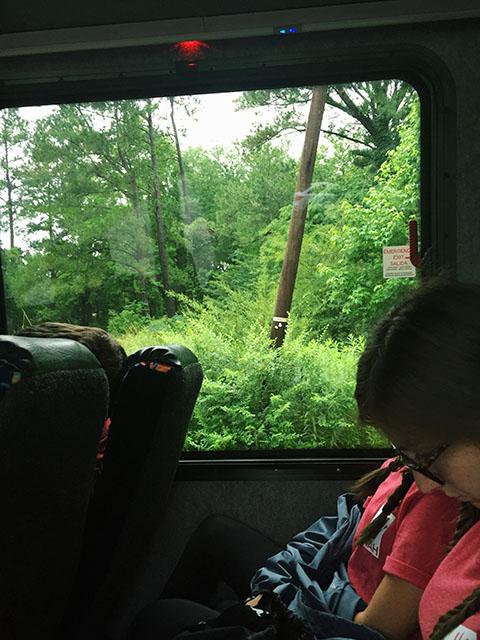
(110, 218)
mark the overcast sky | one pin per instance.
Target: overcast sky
(216, 122)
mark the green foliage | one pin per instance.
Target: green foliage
(88, 197)
(131, 319)
(368, 113)
(88, 190)
(13, 141)
(254, 396)
(239, 194)
(340, 288)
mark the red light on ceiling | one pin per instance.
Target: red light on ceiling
(191, 49)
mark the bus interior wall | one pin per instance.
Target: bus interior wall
(442, 58)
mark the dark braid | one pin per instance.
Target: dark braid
(369, 483)
(457, 615)
(469, 515)
(393, 501)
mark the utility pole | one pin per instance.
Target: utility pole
(299, 213)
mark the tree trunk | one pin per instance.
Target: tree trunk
(299, 213)
(187, 208)
(140, 253)
(8, 182)
(159, 226)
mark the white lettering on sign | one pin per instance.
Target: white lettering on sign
(461, 633)
(396, 262)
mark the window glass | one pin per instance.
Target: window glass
(166, 220)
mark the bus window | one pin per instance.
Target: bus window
(166, 220)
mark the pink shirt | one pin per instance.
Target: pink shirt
(412, 543)
(457, 576)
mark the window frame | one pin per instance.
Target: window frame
(280, 465)
(298, 66)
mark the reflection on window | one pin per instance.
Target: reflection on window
(166, 220)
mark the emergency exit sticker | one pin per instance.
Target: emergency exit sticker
(396, 262)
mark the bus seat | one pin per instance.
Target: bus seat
(150, 416)
(53, 400)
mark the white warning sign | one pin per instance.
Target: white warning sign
(396, 262)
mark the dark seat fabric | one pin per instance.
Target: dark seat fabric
(150, 416)
(51, 413)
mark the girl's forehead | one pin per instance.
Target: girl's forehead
(451, 450)
(423, 455)
(414, 431)
(415, 443)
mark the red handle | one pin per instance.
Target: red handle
(415, 257)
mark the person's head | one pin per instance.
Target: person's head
(108, 351)
(418, 380)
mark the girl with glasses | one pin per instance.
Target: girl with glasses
(419, 382)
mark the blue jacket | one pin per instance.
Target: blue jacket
(310, 575)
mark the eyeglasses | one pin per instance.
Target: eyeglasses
(423, 461)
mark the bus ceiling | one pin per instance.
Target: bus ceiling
(57, 26)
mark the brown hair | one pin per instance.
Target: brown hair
(418, 379)
(108, 351)
(419, 375)
(468, 516)
(457, 615)
(368, 484)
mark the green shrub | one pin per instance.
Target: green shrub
(130, 320)
(253, 396)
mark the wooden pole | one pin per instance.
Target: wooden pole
(297, 221)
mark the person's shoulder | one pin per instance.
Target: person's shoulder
(435, 502)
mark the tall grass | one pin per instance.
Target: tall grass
(253, 396)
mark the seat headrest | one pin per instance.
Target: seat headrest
(33, 356)
(174, 355)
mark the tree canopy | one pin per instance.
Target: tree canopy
(109, 217)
